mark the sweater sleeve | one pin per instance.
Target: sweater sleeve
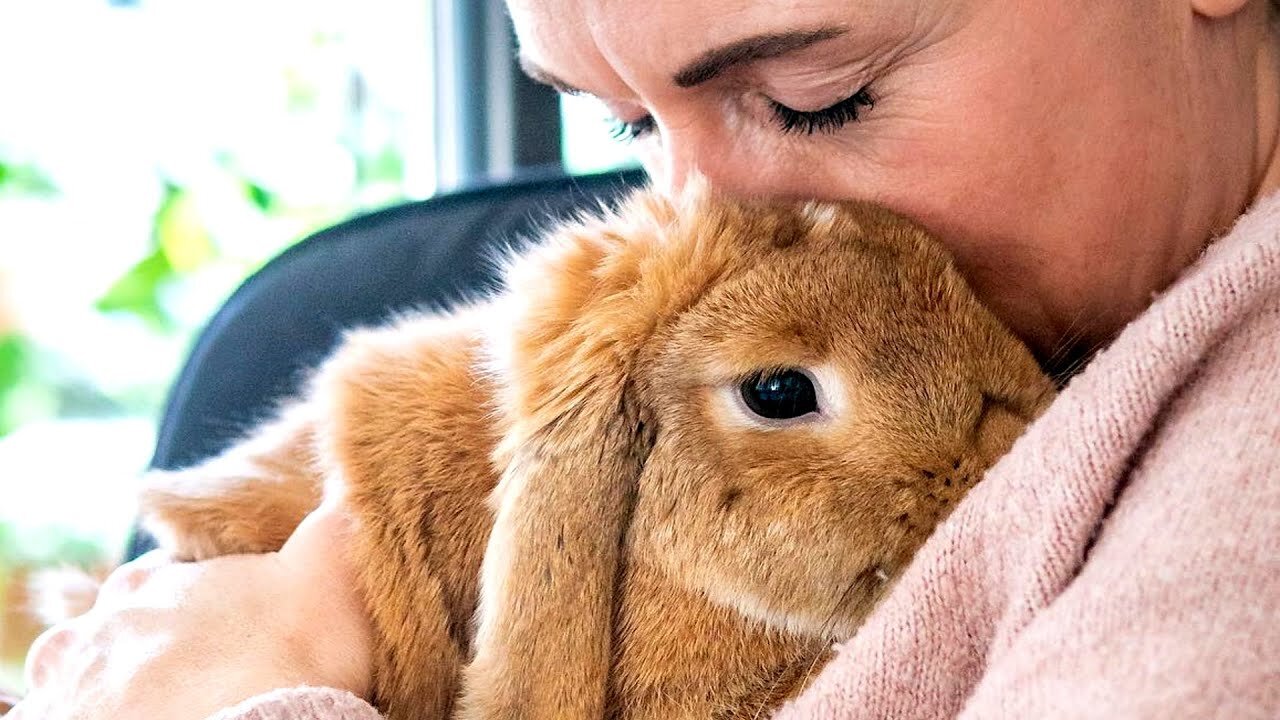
(1173, 613)
(301, 703)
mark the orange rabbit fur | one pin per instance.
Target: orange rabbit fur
(564, 508)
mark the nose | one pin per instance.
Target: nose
(700, 148)
(678, 160)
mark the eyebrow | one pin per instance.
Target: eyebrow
(760, 47)
(538, 74)
(714, 62)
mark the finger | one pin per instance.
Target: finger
(320, 551)
(322, 540)
(46, 653)
(128, 578)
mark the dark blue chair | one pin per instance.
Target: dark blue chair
(259, 347)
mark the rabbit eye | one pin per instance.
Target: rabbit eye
(780, 395)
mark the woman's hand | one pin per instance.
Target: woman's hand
(185, 640)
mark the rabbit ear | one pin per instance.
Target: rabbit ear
(571, 327)
(580, 311)
(544, 643)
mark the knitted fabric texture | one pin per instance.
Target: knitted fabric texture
(302, 703)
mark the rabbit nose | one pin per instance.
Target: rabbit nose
(934, 492)
(947, 486)
(943, 484)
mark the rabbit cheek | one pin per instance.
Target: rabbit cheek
(998, 427)
(789, 569)
(926, 497)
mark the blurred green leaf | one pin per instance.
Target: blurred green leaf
(385, 166)
(46, 547)
(179, 232)
(138, 291)
(25, 179)
(15, 364)
(30, 400)
(25, 395)
(182, 245)
(13, 359)
(262, 198)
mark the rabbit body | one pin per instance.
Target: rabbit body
(564, 508)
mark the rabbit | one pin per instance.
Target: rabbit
(682, 452)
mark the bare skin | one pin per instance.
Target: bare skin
(1075, 156)
(185, 640)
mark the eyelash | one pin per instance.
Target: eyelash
(828, 119)
(624, 131)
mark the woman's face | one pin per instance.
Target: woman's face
(1074, 155)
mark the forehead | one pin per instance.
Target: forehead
(598, 43)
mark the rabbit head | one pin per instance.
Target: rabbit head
(773, 404)
(817, 411)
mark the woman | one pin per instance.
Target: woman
(1078, 158)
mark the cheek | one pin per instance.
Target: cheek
(1042, 180)
(983, 140)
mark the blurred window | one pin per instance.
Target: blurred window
(585, 141)
(154, 153)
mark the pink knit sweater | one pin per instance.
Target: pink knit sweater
(1123, 561)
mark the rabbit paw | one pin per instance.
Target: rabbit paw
(193, 524)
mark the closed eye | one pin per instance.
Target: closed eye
(828, 119)
(789, 120)
(626, 131)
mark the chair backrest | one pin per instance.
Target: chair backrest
(259, 347)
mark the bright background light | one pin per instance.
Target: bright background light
(153, 153)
